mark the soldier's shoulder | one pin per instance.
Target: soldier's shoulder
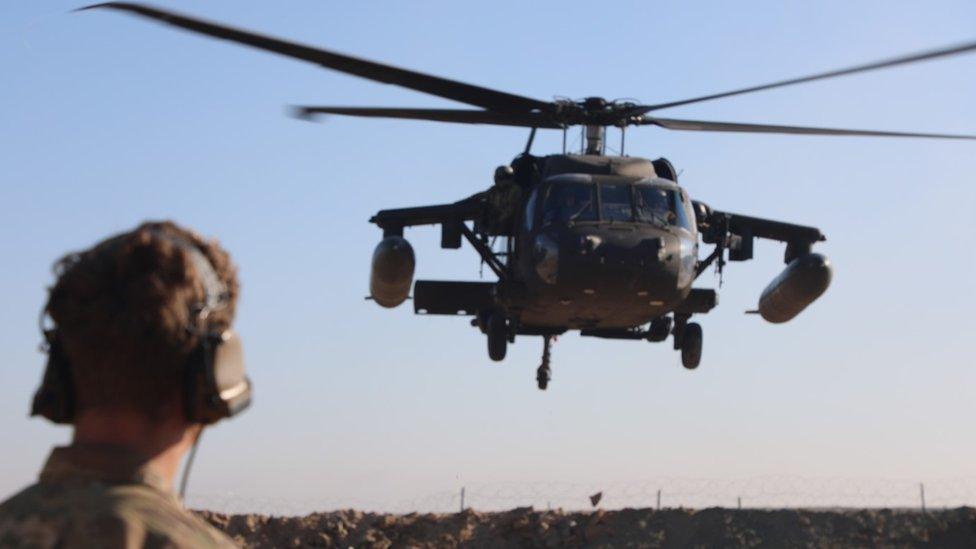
(161, 515)
(47, 515)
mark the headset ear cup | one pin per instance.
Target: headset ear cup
(216, 386)
(233, 388)
(55, 398)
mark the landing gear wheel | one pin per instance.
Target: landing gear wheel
(691, 346)
(497, 331)
(659, 329)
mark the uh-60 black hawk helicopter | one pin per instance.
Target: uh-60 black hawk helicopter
(607, 245)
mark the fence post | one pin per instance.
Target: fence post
(659, 499)
(740, 502)
(462, 499)
(921, 489)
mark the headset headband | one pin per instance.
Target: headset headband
(215, 291)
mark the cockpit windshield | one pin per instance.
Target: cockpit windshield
(653, 204)
(615, 202)
(568, 202)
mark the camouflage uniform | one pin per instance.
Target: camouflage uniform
(98, 496)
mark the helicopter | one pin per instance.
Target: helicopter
(607, 245)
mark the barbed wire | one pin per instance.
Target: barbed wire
(770, 492)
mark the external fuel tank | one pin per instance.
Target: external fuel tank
(392, 271)
(804, 280)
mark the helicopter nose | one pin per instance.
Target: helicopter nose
(654, 249)
(647, 253)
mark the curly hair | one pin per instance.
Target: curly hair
(123, 310)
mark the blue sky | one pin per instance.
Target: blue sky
(109, 120)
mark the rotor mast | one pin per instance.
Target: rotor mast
(595, 139)
(594, 130)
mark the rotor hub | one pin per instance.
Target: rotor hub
(595, 104)
(595, 111)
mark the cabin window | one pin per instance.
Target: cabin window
(569, 202)
(615, 202)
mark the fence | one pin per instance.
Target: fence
(760, 492)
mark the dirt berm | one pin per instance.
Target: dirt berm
(625, 528)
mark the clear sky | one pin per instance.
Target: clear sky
(108, 120)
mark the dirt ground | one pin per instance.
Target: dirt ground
(625, 528)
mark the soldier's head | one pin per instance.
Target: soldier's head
(128, 317)
(504, 175)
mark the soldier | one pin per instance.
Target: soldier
(140, 358)
(505, 198)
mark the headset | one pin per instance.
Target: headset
(214, 384)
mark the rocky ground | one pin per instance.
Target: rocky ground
(626, 528)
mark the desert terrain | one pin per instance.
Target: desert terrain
(526, 527)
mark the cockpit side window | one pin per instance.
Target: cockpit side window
(569, 202)
(682, 208)
(615, 202)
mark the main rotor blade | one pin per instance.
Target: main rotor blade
(434, 85)
(526, 119)
(710, 126)
(904, 60)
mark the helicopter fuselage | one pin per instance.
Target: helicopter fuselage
(616, 264)
(605, 245)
